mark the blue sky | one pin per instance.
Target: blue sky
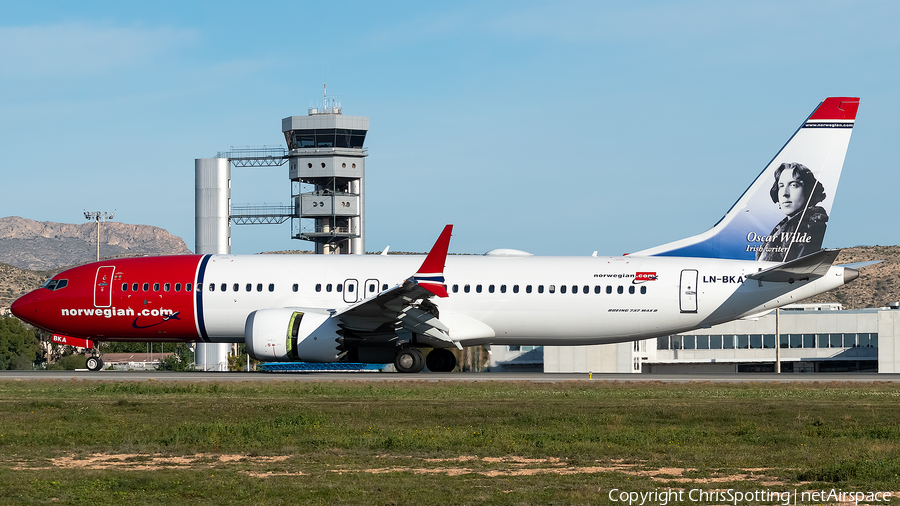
(558, 128)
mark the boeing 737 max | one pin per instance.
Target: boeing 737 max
(764, 253)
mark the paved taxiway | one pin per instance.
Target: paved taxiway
(434, 377)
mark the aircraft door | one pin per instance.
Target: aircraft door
(351, 290)
(688, 291)
(371, 288)
(103, 286)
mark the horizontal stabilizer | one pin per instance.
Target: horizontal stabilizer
(859, 265)
(804, 268)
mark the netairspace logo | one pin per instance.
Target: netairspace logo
(735, 497)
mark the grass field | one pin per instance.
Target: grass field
(82, 442)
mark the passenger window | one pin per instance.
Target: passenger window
(187, 287)
(491, 288)
(177, 287)
(271, 287)
(340, 287)
(515, 288)
(596, 288)
(328, 287)
(249, 287)
(134, 287)
(124, 287)
(620, 289)
(295, 287)
(155, 287)
(562, 289)
(478, 288)
(384, 287)
(167, 287)
(259, 287)
(540, 288)
(318, 287)
(586, 289)
(527, 288)
(235, 287)
(212, 287)
(224, 287)
(502, 288)
(631, 289)
(372, 288)
(350, 288)
(609, 289)
(455, 288)
(145, 287)
(466, 288)
(551, 288)
(643, 290)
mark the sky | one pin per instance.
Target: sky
(556, 128)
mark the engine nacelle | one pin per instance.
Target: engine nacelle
(291, 335)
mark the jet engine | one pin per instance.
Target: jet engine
(291, 335)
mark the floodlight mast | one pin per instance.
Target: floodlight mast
(98, 217)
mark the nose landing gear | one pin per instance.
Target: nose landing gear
(94, 363)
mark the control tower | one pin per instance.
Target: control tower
(327, 171)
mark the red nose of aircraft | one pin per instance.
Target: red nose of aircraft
(26, 308)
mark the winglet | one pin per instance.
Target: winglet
(431, 274)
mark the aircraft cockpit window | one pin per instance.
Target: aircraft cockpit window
(56, 284)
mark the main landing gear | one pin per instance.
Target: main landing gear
(411, 360)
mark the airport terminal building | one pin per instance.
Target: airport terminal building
(813, 338)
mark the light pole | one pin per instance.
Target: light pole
(98, 217)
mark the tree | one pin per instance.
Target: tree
(18, 345)
(181, 360)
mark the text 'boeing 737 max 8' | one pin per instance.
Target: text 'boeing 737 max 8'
(764, 253)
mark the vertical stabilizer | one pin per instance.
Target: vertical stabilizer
(783, 215)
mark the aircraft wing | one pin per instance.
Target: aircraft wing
(809, 267)
(407, 305)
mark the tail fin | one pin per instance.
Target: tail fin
(784, 213)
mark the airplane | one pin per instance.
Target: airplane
(764, 253)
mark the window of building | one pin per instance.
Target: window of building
(662, 343)
(837, 340)
(715, 342)
(676, 342)
(702, 342)
(809, 340)
(743, 341)
(689, 342)
(728, 342)
(769, 341)
(849, 340)
(755, 341)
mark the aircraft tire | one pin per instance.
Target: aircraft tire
(440, 360)
(409, 360)
(94, 364)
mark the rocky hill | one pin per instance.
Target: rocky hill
(45, 245)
